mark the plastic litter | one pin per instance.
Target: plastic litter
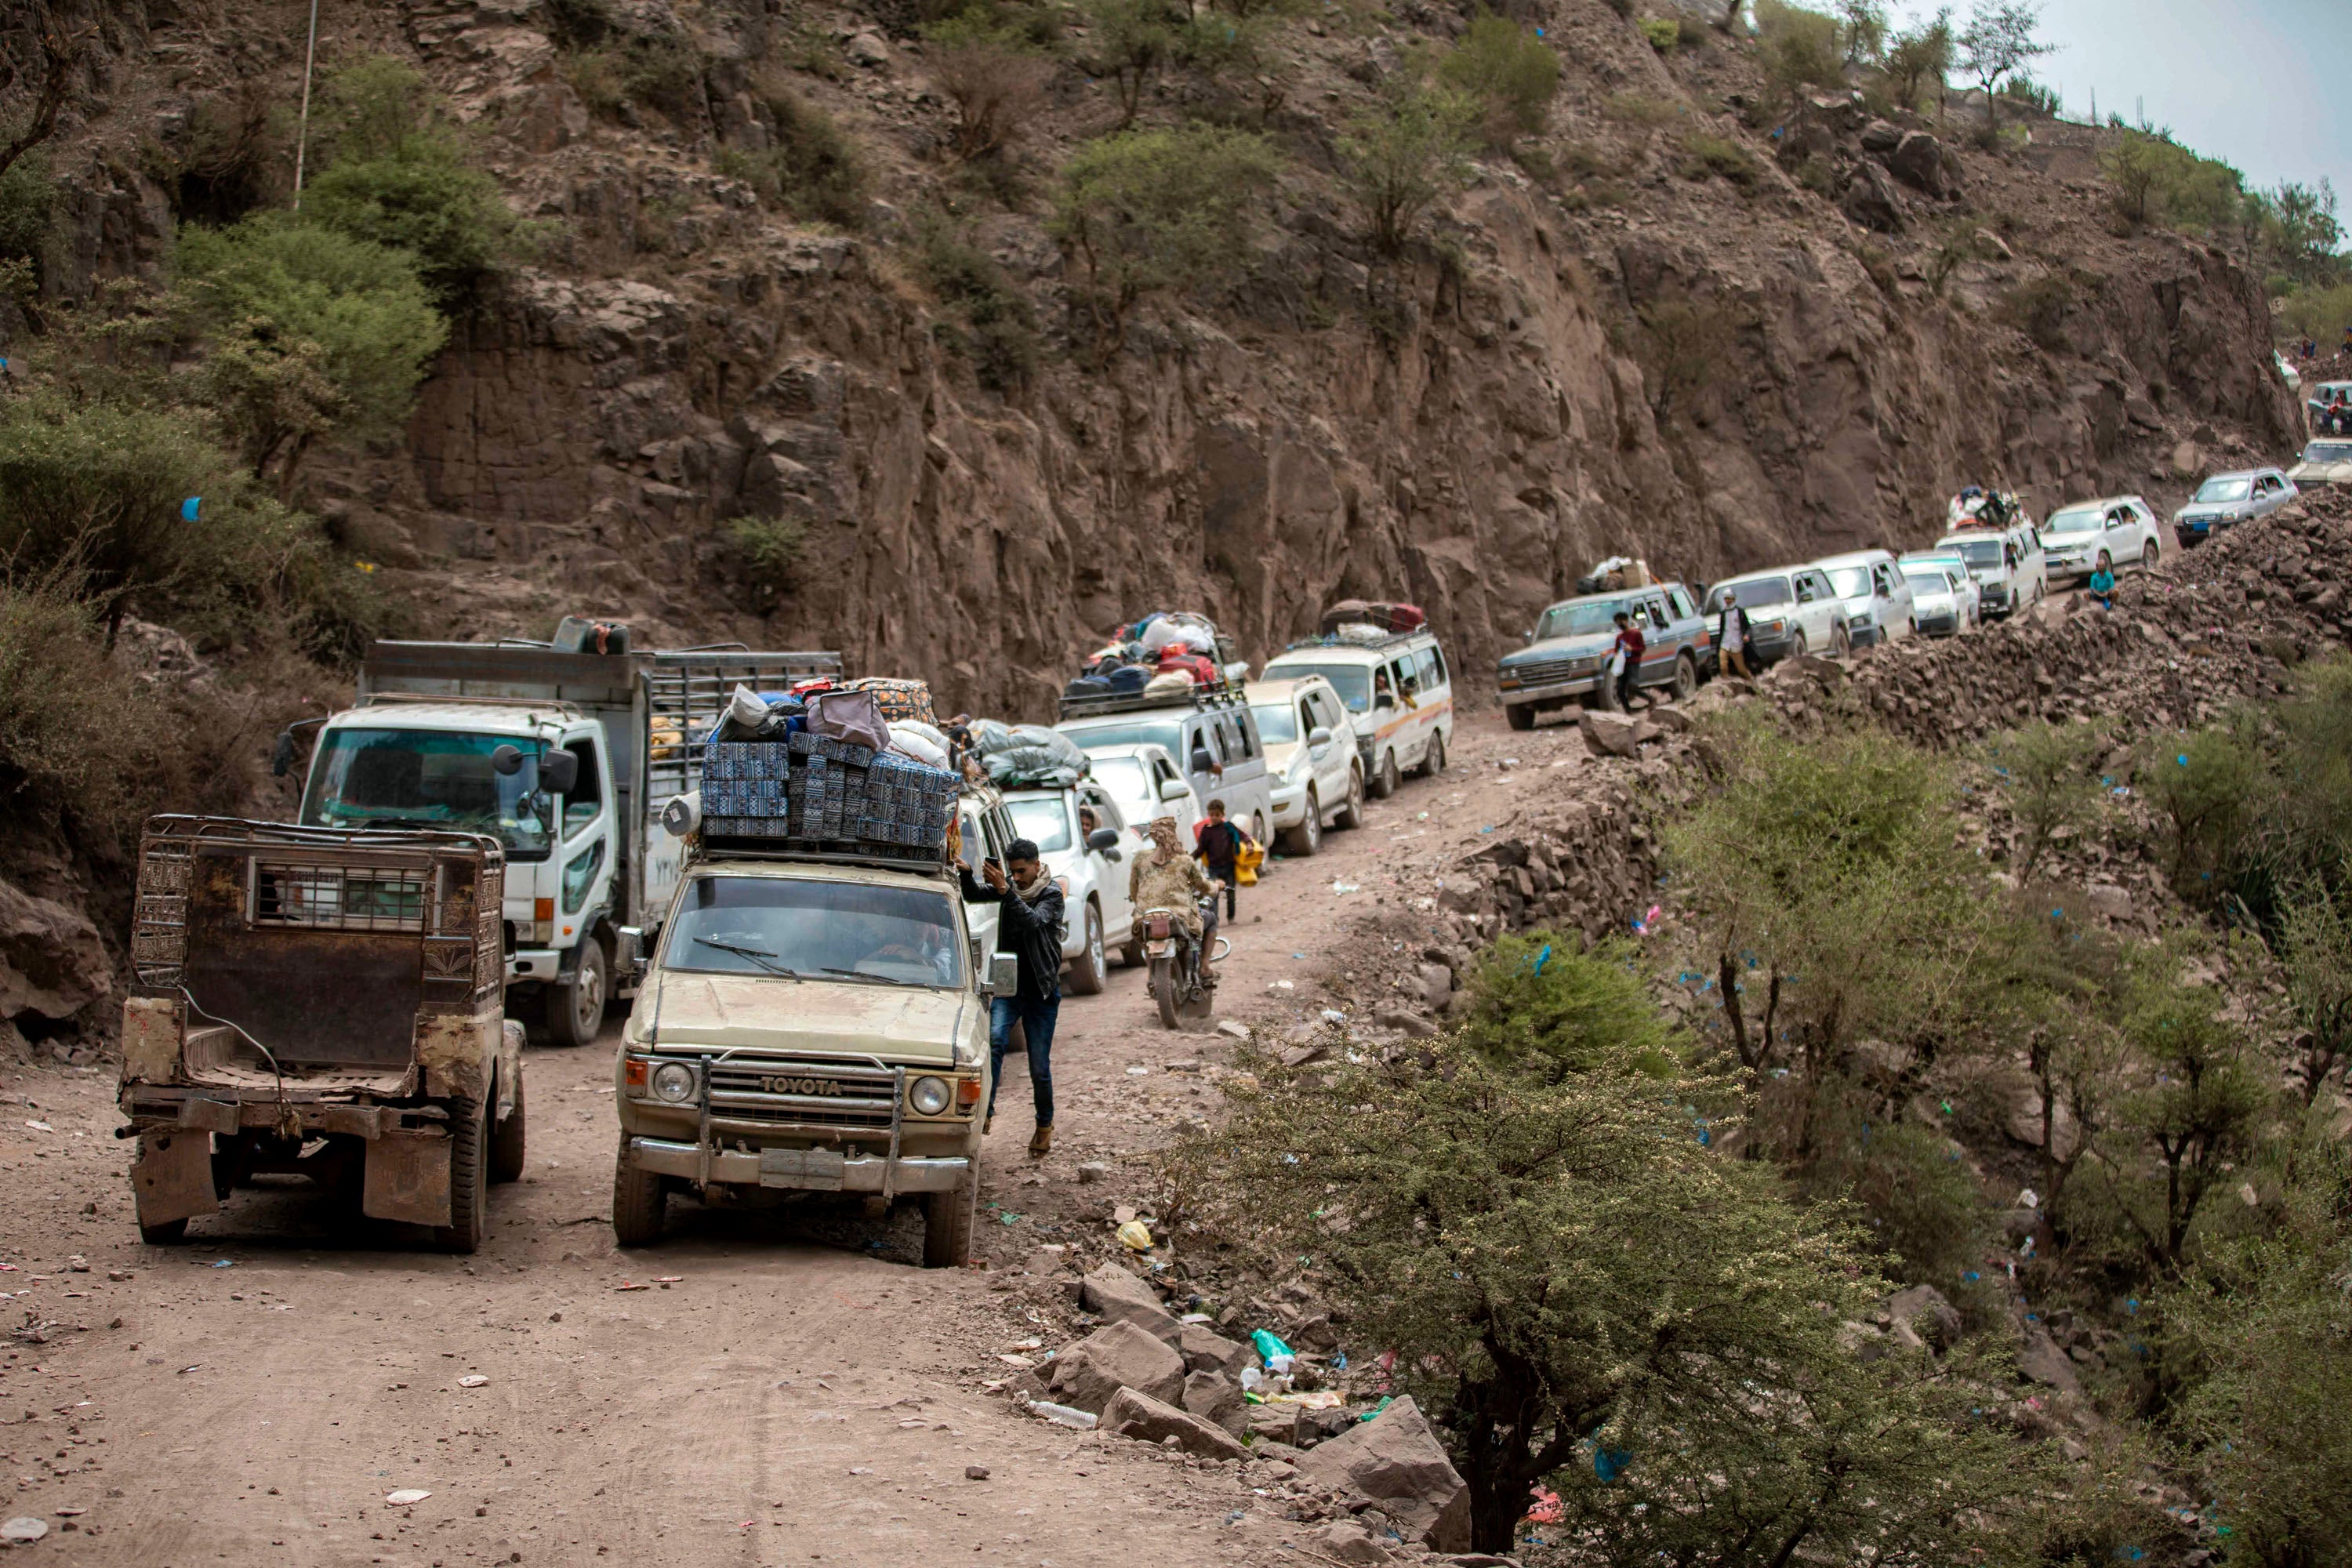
(405, 1495)
(472, 1380)
(1135, 1236)
(1386, 1400)
(1083, 1420)
(2029, 1199)
(1344, 888)
(223, 1263)
(1271, 1351)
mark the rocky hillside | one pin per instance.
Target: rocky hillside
(1678, 323)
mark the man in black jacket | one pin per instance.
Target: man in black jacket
(1029, 926)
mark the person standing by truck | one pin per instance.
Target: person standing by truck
(1731, 637)
(1627, 651)
(1029, 927)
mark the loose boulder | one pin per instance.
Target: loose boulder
(1204, 1350)
(1926, 164)
(1122, 1297)
(1148, 1420)
(51, 961)
(1609, 735)
(1870, 199)
(1397, 1461)
(1934, 1319)
(1212, 1396)
(1116, 1356)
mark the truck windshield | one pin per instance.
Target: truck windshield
(1975, 552)
(1042, 819)
(1353, 681)
(1755, 594)
(817, 930)
(426, 778)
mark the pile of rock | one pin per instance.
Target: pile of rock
(1152, 1375)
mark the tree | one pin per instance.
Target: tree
(1511, 74)
(2048, 775)
(1539, 995)
(2315, 948)
(2001, 39)
(362, 304)
(1690, 342)
(2304, 233)
(1919, 56)
(1405, 151)
(59, 49)
(1862, 25)
(996, 78)
(1130, 41)
(273, 393)
(1149, 211)
(1567, 1275)
(399, 178)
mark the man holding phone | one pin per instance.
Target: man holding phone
(1029, 925)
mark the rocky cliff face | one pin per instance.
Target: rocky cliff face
(1851, 329)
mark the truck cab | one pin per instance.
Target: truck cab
(808, 1024)
(565, 755)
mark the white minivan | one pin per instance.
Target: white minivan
(1398, 689)
(1877, 600)
(1319, 777)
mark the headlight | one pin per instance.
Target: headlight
(674, 1081)
(928, 1096)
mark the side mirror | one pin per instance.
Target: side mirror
(1318, 737)
(281, 758)
(1202, 761)
(507, 760)
(1173, 789)
(628, 949)
(559, 770)
(980, 963)
(1004, 974)
(1103, 838)
(1528, 636)
(1385, 699)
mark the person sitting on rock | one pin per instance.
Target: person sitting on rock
(2102, 587)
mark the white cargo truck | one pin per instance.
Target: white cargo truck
(567, 756)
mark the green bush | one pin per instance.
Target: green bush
(995, 327)
(1153, 211)
(1919, 1204)
(1537, 996)
(399, 178)
(811, 167)
(1663, 32)
(993, 74)
(1510, 72)
(62, 743)
(1649, 113)
(2040, 309)
(1801, 49)
(1562, 1267)
(2206, 791)
(29, 196)
(771, 550)
(2157, 180)
(1692, 348)
(2048, 775)
(1705, 154)
(364, 304)
(1128, 41)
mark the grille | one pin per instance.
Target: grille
(789, 1093)
(1549, 670)
(340, 898)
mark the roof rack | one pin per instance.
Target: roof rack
(557, 705)
(921, 859)
(1224, 694)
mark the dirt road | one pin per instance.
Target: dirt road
(762, 1389)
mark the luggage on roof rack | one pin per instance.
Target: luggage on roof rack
(1388, 615)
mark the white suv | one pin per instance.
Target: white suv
(1318, 774)
(1092, 868)
(2120, 531)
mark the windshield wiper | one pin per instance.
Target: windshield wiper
(759, 955)
(862, 975)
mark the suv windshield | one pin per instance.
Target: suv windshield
(815, 930)
(1353, 681)
(1927, 580)
(1754, 595)
(1580, 618)
(2236, 487)
(1277, 724)
(1851, 582)
(1142, 728)
(1041, 818)
(2076, 520)
(427, 778)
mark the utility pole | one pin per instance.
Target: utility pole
(302, 133)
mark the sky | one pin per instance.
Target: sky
(2257, 83)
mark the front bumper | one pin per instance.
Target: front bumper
(1941, 626)
(1552, 692)
(533, 963)
(2069, 571)
(1870, 636)
(805, 1170)
(1290, 804)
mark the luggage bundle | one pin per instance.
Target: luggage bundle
(1385, 617)
(1142, 656)
(1027, 756)
(900, 700)
(826, 777)
(1616, 573)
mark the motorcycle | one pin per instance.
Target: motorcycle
(1174, 956)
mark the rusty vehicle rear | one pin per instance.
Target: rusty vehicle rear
(322, 1002)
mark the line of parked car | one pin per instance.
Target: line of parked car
(1326, 725)
(1975, 573)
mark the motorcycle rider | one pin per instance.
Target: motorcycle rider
(1168, 878)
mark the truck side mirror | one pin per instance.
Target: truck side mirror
(1318, 737)
(1202, 761)
(1103, 838)
(559, 770)
(507, 760)
(1173, 789)
(281, 758)
(1004, 974)
(628, 950)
